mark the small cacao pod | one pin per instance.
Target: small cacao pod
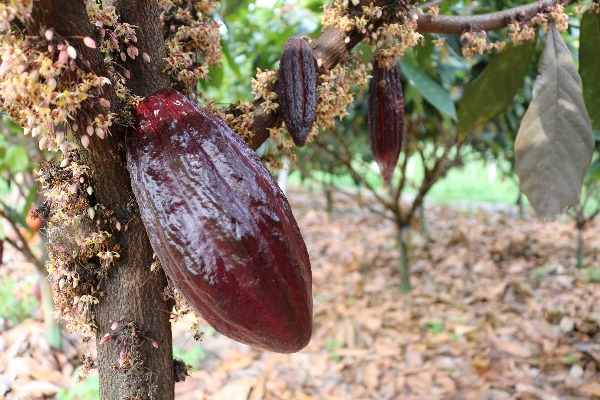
(298, 88)
(386, 118)
(222, 229)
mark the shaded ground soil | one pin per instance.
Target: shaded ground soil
(498, 311)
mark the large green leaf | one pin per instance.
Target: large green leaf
(230, 59)
(435, 94)
(494, 89)
(555, 143)
(589, 64)
(16, 159)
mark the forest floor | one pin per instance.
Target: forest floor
(498, 311)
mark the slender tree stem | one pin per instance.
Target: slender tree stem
(403, 233)
(580, 247)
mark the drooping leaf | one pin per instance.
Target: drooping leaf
(494, 89)
(589, 64)
(430, 89)
(555, 143)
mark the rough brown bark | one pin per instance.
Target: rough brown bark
(133, 292)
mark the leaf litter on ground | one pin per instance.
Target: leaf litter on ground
(497, 311)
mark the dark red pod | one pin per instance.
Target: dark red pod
(298, 88)
(386, 118)
(220, 225)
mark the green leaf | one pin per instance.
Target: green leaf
(29, 200)
(589, 64)
(430, 89)
(315, 6)
(215, 75)
(231, 60)
(17, 159)
(555, 143)
(594, 170)
(494, 89)
(14, 216)
(230, 6)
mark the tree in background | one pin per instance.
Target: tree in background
(71, 72)
(20, 156)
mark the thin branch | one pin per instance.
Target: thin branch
(25, 249)
(347, 162)
(458, 24)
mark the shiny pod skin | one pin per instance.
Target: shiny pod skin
(221, 227)
(298, 88)
(386, 118)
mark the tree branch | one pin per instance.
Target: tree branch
(333, 45)
(451, 24)
(25, 249)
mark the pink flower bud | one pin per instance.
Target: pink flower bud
(63, 57)
(72, 52)
(89, 42)
(104, 102)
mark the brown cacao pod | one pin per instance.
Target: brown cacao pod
(221, 227)
(386, 118)
(298, 88)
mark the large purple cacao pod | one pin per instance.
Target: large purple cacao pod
(221, 227)
(386, 118)
(298, 88)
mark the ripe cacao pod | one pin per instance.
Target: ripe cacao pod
(298, 88)
(221, 227)
(386, 118)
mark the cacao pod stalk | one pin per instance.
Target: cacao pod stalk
(222, 229)
(386, 118)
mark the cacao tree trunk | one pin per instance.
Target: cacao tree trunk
(422, 218)
(403, 233)
(328, 189)
(133, 292)
(520, 205)
(51, 325)
(580, 244)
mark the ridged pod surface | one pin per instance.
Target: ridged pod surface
(386, 118)
(221, 227)
(298, 88)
